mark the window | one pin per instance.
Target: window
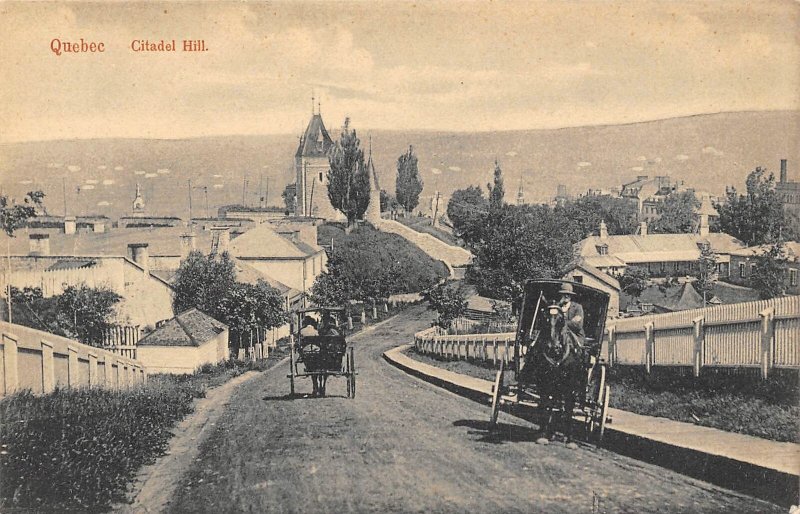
(677, 266)
(792, 277)
(742, 272)
(577, 278)
(602, 249)
(663, 267)
(320, 176)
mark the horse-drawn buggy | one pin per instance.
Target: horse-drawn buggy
(319, 350)
(556, 364)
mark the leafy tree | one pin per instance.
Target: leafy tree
(496, 191)
(388, 202)
(619, 214)
(448, 301)
(248, 307)
(520, 243)
(13, 215)
(202, 281)
(409, 183)
(369, 265)
(468, 210)
(84, 312)
(677, 214)
(769, 273)
(706, 272)
(757, 216)
(348, 178)
(634, 281)
(289, 196)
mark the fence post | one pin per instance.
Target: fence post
(612, 346)
(649, 337)
(109, 372)
(72, 366)
(466, 349)
(767, 331)
(10, 369)
(92, 370)
(48, 368)
(699, 344)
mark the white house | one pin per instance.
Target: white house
(184, 343)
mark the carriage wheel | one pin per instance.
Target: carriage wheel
(351, 374)
(604, 413)
(496, 394)
(596, 397)
(291, 369)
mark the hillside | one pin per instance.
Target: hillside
(706, 151)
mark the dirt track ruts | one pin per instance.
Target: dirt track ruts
(406, 446)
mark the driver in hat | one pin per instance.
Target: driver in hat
(573, 313)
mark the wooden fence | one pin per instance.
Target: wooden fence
(486, 347)
(763, 334)
(40, 361)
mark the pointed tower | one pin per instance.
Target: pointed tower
(373, 214)
(520, 194)
(311, 170)
(137, 208)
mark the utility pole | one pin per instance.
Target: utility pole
(266, 195)
(205, 190)
(190, 202)
(261, 191)
(64, 190)
(244, 190)
(435, 210)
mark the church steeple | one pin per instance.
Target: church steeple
(138, 202)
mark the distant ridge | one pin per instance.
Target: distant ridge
(707, 151)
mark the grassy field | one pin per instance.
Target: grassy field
(78, 449)
(734, 402)
(423, 224)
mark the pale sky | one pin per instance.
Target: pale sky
(445, 65)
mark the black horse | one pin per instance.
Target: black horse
(554, 363)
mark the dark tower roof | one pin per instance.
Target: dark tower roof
(316, 142)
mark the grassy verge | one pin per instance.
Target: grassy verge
(422, 224)
(78, 449)
(732, 401)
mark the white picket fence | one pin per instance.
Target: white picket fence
(763, 334)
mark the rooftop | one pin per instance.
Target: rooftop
(189, 328)
(264, 242)
(315, 142)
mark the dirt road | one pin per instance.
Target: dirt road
(406, 446)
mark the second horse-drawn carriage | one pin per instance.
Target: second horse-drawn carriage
(319, 350)
(556, 367)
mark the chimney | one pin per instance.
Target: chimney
(643, 228)
(188, 244)
(603, 230)
(784, 178)
(70, 225)
(704, 225)
(39, 244)
(139, 253)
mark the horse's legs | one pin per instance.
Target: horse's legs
(315, 385)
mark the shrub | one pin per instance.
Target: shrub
(77, 449)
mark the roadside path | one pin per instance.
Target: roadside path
(405, 446)
(156, 483)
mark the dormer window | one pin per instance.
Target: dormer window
(602, 249)
(703, 245)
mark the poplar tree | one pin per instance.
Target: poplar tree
(348, 178)
(409, 183)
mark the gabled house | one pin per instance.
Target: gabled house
(184, 343)
(661, 255)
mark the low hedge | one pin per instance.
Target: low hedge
(78, 449)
